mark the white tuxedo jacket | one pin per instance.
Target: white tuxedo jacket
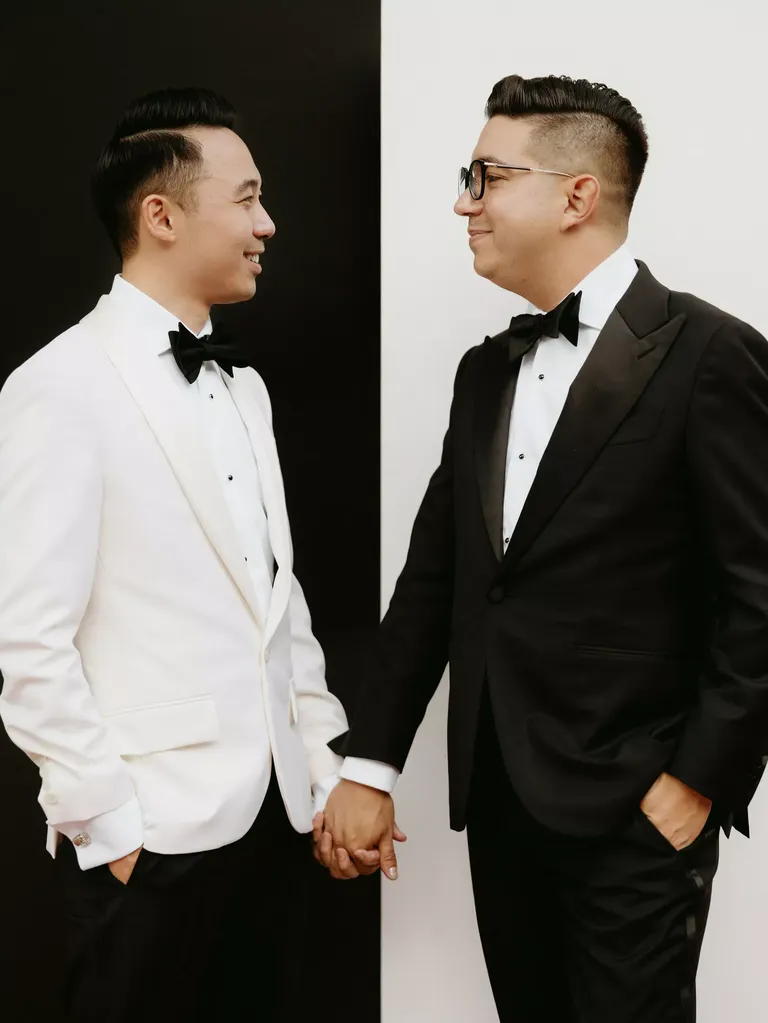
(136, 666)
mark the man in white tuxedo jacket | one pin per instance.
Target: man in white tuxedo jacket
(158, 658)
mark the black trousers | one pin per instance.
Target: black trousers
(208, 936)
(584, 930)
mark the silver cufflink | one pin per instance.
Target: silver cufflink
(81, 840)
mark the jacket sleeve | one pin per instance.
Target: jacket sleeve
(321, 717)
(50, 513)
(725, 740)
(412, 645)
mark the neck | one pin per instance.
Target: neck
(548, 283)
(155, 281)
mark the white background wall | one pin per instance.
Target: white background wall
(694, 70)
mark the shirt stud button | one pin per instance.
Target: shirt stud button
(230, 477)
(521, 457)
(541, 377)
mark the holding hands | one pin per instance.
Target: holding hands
(356, 833)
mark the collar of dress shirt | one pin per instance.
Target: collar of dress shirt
(602, 289)
(152, 320)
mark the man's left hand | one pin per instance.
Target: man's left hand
(678, 812)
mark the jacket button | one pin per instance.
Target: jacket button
(496, 594)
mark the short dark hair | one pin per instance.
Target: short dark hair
(576, 120)
(150, 152)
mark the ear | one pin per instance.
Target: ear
(581, 199)
(157, 216)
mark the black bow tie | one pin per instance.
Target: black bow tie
(191, 352)
(527, 328)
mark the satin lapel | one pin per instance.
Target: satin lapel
(169, 406)
(245, 396)
(619, 368)
(493, 405)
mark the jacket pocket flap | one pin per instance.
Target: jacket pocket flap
(163, 726)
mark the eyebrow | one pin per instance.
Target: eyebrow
(494, 159)
(253, 183)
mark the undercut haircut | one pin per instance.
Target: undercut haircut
(579, 127)
(151, 151)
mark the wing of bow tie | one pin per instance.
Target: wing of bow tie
(191, 352)
(563, 319)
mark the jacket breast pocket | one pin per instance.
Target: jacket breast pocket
(640, 425)
(155, 727)
(630, 654)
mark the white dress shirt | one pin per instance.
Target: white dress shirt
(230, 449)
(545, 377)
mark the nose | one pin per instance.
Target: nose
(264, 226)
(466, 206)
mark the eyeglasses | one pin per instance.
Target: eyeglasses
(473, 177)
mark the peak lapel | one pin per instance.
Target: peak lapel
(629, 350)
(169, 406)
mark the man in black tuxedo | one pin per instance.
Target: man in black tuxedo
(591, 556)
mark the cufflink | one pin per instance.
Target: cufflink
(81, 840)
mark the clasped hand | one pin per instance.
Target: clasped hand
(356, 833)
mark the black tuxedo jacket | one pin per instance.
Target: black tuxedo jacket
(625, 630)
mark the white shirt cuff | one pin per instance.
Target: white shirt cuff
(372, 773)
(108, 837)
(322, 789)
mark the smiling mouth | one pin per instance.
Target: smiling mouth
(253, 257)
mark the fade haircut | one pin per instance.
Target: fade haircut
(580, 127)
